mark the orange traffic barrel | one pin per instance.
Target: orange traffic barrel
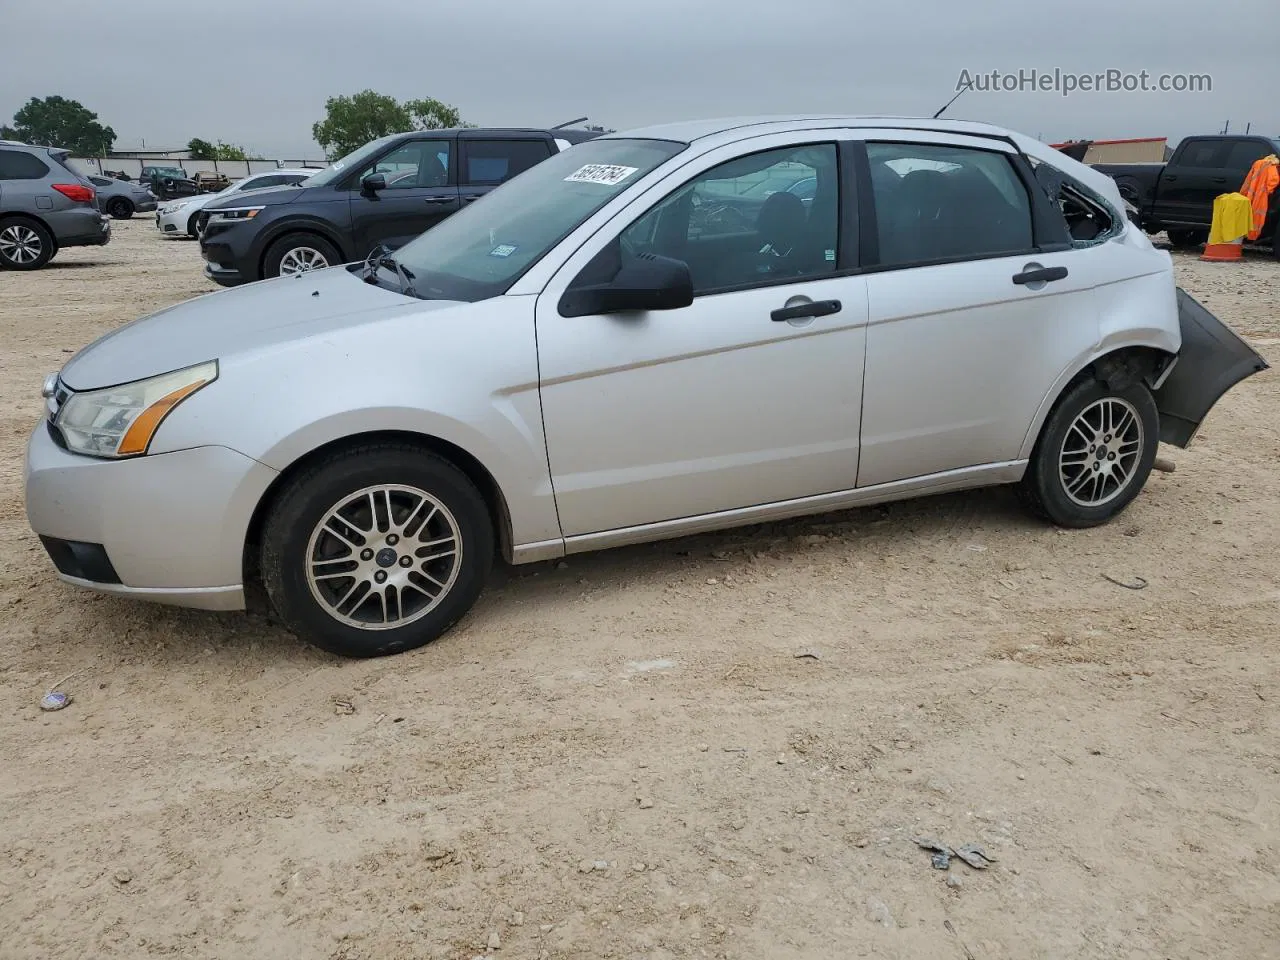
(1222, 252)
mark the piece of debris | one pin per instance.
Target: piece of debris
(123, 876)
(1164, 465)
(955, 881)
(970, 853)
(495, 941)
(941, 853)
(517, 919)
(1137, 583)
(734, 749)
(974, 856)
(645, 803)
(54, 701)
(807, 654)
(344, 708)
(600, 866)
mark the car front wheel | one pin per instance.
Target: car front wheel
(376, 549)
(299, 253)
(1094, 454)
(120, 209)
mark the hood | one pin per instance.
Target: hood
(262, 197)
(236, 321)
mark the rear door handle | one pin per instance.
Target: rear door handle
(438, 199)
(471, 199)
(1040, 275)
(818, 308)
(1168, 178)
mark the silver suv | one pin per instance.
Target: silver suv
(44, 206)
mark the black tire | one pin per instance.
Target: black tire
(1130, 191)
(308, 498)
(1188, 239)
(192, 232)
(1044, 489)
(119, 208)
(19, 238)
(293, 242)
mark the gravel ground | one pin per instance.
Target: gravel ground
(624, 757)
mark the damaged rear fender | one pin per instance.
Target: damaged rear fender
(1212, 360)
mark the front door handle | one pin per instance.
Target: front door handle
(1040, 275)
(818, 308)
(1168, 179)
(437, 199)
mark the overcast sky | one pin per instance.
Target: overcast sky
(163, 71)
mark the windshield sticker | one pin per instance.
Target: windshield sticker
(503, 250)
(605, 174)
(339, 165)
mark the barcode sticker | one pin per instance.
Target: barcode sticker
(605, 174)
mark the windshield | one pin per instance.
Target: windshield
(481, 251)
(340, 168)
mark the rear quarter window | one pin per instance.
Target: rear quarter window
(21, 166)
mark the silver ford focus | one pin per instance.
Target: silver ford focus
(652, 334)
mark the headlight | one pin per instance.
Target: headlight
(242, 213)
(175, 207)
(120, 421)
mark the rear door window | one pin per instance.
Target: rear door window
(487, 163)
(15, 165)
(936, 203)
(1245, 154)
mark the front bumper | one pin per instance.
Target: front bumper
(222, 263)
(169, 527)
(145, 205)
(174, 223)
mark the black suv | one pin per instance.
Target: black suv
(385, 193)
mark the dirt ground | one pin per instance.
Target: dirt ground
(625, 757)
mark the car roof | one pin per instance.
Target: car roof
(570, 134)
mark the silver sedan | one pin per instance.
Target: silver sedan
(636, 339)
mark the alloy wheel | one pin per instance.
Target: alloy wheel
(1101, 452)
(20, 244)
(301, 260)
(383, 557)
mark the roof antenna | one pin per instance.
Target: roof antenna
(570, 123)
(967, 86)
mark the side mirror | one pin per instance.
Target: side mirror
(647, 282)
(373, 183)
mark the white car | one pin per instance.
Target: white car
(177, 218)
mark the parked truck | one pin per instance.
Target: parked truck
(1178, 196)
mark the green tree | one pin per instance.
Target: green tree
(430, 114)
(204, 150)
(352, 121)
(58, 122)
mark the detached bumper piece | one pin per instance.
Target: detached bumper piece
(84, 561)
(1213, 359)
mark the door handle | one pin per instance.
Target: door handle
(1169, 179)
(1040, 275)
(1219, 179)
(818, 308)
(470, 199)
(437, 199)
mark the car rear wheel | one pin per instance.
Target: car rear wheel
(1094, 454)
(299, 253)
(1188, 239)
(24, 244)
(120, 209)
(376, 549)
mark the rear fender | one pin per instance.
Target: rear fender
(1213, 359)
